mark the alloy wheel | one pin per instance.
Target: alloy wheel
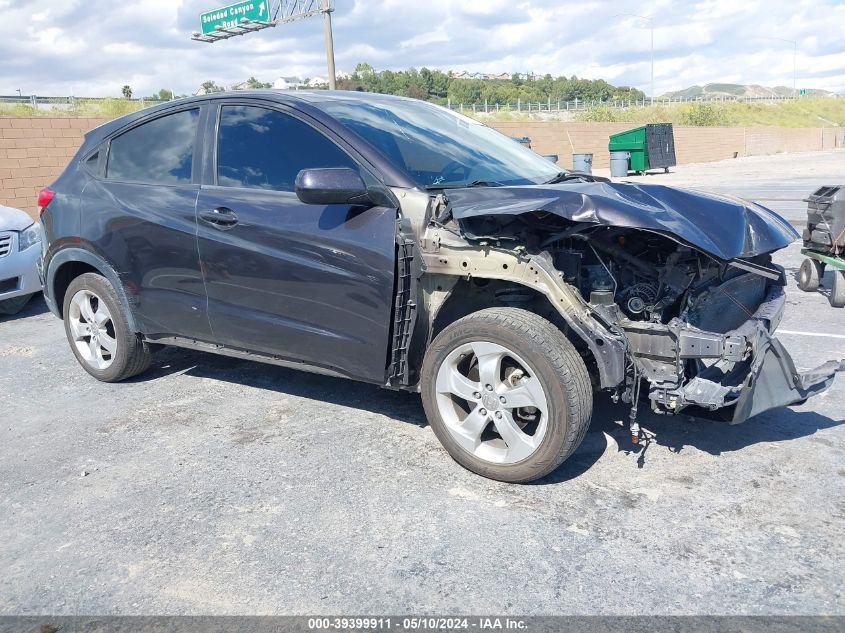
(492, 402)
(92, 329)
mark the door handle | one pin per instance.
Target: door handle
(221, 217)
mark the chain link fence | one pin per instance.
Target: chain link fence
(550, 105)
(70, 103)
(585, 104)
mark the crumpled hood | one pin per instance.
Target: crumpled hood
(724, 227)
(13, 219)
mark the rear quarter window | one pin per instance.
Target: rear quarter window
(160, 151)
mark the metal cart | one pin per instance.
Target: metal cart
(824, 242)
(812, 270)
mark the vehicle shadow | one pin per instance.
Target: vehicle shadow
(34, 307)
(715, 438)
(400, 405)
(609, 419)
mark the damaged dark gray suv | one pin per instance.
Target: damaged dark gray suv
(392, 241)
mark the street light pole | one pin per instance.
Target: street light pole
(650, 21)
(651, 24)
(327, 27)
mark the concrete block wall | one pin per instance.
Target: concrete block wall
(692, 144)
(564, 139)
(34, 151)
(704, 144)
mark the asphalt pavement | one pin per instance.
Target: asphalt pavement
(217, 486)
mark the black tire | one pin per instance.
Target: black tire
(14, 305)
(555, 362)
(837, 291)
(132, 356)
(809, 275)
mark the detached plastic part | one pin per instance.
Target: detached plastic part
(774, 382)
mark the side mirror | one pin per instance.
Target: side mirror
(332, 185)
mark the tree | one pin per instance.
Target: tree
(209, 87)
(162, 95)
(437, 86)
(253, 84)
(127, 92)
(364, 69)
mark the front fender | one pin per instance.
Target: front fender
(487, 262)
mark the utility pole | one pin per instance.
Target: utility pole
(327, 27)
(650, 21)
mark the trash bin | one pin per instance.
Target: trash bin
(619, 164)
(582, 163)
(651, 146)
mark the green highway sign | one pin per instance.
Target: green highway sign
(231, 16)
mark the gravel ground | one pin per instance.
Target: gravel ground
(216, 486)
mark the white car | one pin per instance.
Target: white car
(20, 248)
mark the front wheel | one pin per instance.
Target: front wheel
(507, 394)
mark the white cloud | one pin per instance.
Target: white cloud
(427, 38)
(96, 46)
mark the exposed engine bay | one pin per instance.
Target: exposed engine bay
(640, 275)
(654, 315)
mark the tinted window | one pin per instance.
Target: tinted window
(265, 149)
(161, 151)
(439, 147)
(92, 163)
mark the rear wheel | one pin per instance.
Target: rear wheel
(810, 274)
(98, 331)
(837, 291)
(507, 394)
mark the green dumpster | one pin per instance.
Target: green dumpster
(651, 146)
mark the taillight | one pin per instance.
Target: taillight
(45, 196)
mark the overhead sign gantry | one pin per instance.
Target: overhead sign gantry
(249, 16)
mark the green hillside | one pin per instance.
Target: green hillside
(805, 112)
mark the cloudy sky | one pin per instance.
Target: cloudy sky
(93, 47)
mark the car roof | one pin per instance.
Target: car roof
(304, 100)
(291, 97)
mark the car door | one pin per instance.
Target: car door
(139, 213)
(309, 283)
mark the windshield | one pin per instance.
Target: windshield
(438, 147)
